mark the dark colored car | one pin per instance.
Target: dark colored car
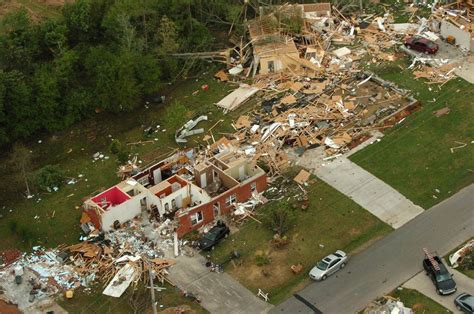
(211, 238)
(440, 276)
(465, 303)
(421, 44)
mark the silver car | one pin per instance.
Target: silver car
(465, 303)
(329, 265)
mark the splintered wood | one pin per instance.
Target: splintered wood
(302, 177)
(104, 262)
(301, 113)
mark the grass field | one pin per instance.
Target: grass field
(418, 301)
(132, 301)
(331, 222)
(415, 157)
(37, 10)
(57, 214)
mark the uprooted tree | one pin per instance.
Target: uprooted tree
(280, 218)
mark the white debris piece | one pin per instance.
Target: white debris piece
(237, 97)
(456, 256)
(342, 52)
(236, 70)
(120, 282)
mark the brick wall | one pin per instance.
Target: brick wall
(243, 193)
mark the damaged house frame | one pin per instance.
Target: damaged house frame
(189, 191)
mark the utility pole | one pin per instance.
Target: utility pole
(152, 287)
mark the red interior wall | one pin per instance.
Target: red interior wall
(114, 195)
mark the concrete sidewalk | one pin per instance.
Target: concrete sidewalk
(423, 284)
(365, 189)
(219, 293)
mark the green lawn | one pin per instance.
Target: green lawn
(415, 157)
(331, 222)
(94, 301)
(418, 301)
(72, 150)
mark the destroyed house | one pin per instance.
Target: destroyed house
(456, 21)
(192, 193)
(273, 49)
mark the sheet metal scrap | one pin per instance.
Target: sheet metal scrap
(188, 129)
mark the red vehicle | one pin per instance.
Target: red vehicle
(421, 44)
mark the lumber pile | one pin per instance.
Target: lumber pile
(303, 113)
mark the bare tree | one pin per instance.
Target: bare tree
(138, 299)
(21, 159)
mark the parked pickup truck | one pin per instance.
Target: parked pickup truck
(440, 276)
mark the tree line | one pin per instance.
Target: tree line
(97, 55)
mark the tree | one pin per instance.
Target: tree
(280, 218)
(53, 37)
(167, 36)
(21, 159)
(47, 98)
(138, 299)
(18, 106)
(84, 19)
(19, 42)
(3, 117)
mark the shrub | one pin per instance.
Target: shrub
(13, 226)
(115, 147)
(25, 234)
(48, 177)
(122, 156)
(262, 259)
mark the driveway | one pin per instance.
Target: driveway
(218, 292)
(446, 54)
(423, 284)
(390, 261)
(466, 69)
(361, 186)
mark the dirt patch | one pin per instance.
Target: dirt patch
(268, 276)
(354, 232)
(418, 308)
(55, 2)
(34, 14)
(178, 309)
(8, 308)
(11, 6)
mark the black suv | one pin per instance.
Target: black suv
(440, 276)
(210, 239)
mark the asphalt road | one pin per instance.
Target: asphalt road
(390, 261)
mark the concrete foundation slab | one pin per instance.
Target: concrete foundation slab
(466, 69)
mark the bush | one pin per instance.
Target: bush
(122, 156)
(13, 226)
(262, 260)
(25, 234)
(175, 115)
(48, 177)
(115, 147)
